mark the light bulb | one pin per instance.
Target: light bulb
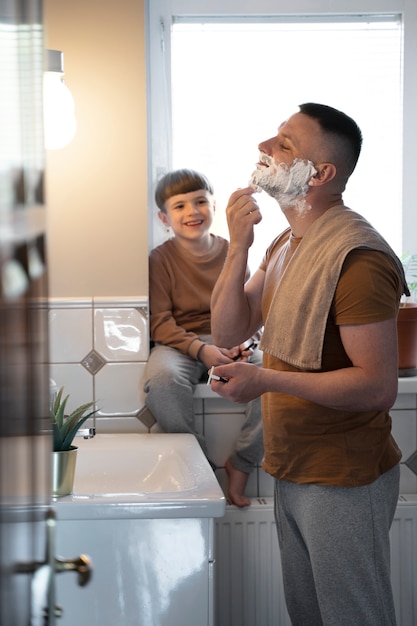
(59, 111)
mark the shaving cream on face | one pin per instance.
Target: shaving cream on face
(288, 184)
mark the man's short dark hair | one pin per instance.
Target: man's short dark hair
(337, 123)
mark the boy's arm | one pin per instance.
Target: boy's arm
(163, 326)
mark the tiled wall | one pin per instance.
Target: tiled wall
(98, 351)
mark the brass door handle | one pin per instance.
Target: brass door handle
(44, 607)
(81, 564)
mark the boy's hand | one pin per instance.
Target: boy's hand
(245, 351)
(212, 355)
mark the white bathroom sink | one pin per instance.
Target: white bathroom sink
(142, 475)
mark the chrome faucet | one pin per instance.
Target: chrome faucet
(87, 433)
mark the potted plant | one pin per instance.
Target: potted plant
(64, 429)
(407, 321)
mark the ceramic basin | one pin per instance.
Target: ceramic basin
(142, 475)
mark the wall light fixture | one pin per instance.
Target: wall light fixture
(59, 111)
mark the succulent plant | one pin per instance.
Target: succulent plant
(65, 427)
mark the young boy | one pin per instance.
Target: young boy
(182, 274)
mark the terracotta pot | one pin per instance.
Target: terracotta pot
(407, 339)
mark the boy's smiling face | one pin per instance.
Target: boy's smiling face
(189, 215)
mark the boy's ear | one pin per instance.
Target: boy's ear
(164, 218)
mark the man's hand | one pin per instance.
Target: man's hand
(244, 381)
(242, 214)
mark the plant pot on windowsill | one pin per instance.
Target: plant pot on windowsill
(64, 454)
(407, 320)
(407, 339)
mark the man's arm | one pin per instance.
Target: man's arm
(369, 385)
(236, 306)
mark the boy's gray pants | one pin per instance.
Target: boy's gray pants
(170, 380)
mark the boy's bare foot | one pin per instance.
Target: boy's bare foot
(237, 485)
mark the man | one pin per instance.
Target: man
(327, 293)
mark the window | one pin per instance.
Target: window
(230, 78)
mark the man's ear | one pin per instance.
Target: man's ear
(164, 218)
(325, 173)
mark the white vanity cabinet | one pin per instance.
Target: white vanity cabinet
(146, 572)
(143, 510)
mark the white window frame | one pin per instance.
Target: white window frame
(159, 19)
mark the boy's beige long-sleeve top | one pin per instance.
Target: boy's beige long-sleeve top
(180, 286)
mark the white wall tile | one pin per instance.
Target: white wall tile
(118, 389)
(77, 382)
(70, 334)
(205, 391)
(405, 401)
(120, 425)
(217, 404)
(404, 431)
(121, 334)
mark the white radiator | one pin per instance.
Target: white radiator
(404, 560)
(249, 589)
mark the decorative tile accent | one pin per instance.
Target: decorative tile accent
(93, 362)
(146, 417)
(411, 462)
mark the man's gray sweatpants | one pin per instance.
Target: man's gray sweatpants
(335, 551)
